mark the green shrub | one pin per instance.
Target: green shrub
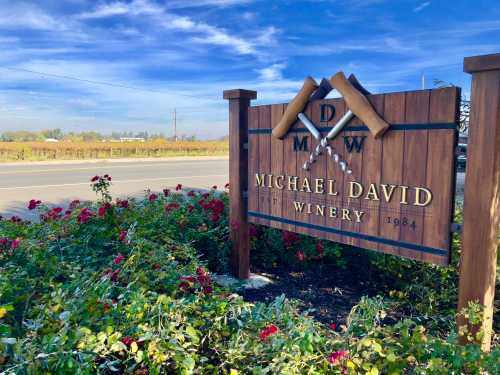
(120, 287)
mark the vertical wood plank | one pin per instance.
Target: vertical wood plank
(290, 169)
(392, 167)
(276, 165)
(253, 162)
(265, 161)
(444, 108)
(372, 163)
(334, 172)
(414, 173)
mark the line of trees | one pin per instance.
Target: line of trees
(91, 136)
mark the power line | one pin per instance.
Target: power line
(118, 85)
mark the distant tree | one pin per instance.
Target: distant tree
(52, 133)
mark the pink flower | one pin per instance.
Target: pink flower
(127, 340)
(178, 187)
(152, 197)
(336, 357)
(15, 243)
(118, 259)
(171, 206)
(268, 331)
(123, 235)
(34, 203)
(122, 204)
(84, 216)
(300, 255)
(107, 177)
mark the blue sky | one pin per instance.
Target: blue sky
(183, 53)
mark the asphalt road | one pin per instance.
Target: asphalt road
(60, 183)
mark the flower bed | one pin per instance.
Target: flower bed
(117, 286)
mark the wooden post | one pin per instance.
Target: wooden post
(482, 193)
(239, 101)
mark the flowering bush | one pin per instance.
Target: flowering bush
(125, 292)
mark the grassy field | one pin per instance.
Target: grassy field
(37, 151)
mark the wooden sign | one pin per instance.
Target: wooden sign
(398, 194)
(391, 193)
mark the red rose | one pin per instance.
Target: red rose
(214, 187)
(152, 197)
(84, 215)
(123, 235)
(268, 331)
(300, 255)
(127, 340)
(319, 247)
(107, 177)
(118, 259)
(34, 203)
(226, 186)
(191, 193)
(94, 179)
(166, 192)
(171, 206)
(178, 187)
(122, 204)
(332, 326)
(337, 356)
(214, 218)
(15, 243)
(190, 208)
(102, 211)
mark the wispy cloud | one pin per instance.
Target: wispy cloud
(421, 6)
(272, 73)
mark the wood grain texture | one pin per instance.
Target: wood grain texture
(253, 163)
(392, 169)
(238, 180)
(414, 166)
(481, 216)
(399, 158)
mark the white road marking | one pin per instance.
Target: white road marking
(86, 168)
(114, 181)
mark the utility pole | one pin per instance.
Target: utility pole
(174, 120)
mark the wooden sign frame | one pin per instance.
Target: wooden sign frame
(481, 209)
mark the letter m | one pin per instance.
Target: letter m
(300, 145)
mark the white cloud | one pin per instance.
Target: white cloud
(272, 73)
(421, 6)
(27, 16)
(118, 8)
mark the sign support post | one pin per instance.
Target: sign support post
(481, 217)
(239, 102)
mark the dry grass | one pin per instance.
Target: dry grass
(31, 151)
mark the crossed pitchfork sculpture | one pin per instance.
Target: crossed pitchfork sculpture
(353, 94)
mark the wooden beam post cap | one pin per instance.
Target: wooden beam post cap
(476, 64)
(240, 94)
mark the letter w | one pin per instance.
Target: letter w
(354, 142)
(299, 206)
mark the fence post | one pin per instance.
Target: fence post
(239, 102)
(481, 215)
